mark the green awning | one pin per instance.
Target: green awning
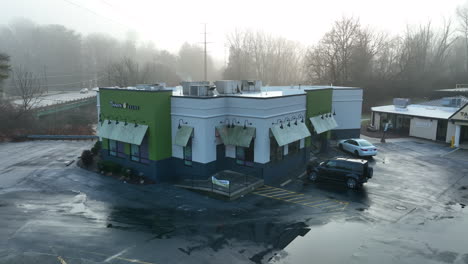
(128, 133)
(223, 133)
(183, 135)
(237, 136)
(241, 136)
(325, 124)
(289, 134)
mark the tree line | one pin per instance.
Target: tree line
(58, 58)
(416, 62)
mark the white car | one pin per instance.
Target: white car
(360, 147)
(84, 90)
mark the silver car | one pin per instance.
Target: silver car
(357, 146)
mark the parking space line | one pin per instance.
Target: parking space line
(281, 194)
(271, 192)
(329, 205)
(292, 195)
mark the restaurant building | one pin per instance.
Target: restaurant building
(198, 129)
(444, 119)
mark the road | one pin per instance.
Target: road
(409, 212)
(57, 98)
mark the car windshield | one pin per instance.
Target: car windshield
(364, 143)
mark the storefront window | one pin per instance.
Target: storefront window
(188, 153)
(293, 147)
(116, 148)
(276, 152)
(120, 149)
(112, 147)
(135, 153)
(140, 153)
(245, 156)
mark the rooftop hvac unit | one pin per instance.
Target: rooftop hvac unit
(401, 102)
(451, 102)
(228, 86)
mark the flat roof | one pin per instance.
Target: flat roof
(265, 91)
(436, 112)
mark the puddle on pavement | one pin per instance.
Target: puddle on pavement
(333, 242)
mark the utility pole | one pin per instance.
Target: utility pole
(206, 78)
(45, 79)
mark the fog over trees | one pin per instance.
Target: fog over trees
(68, 60)
(410, 64)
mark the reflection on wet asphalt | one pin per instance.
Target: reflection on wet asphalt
(411, 211)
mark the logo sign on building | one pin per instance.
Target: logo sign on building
(462, 114)
(124, 105)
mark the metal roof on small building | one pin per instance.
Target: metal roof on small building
(418, 110)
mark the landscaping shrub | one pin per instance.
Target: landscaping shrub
(109, 166)
(96, 148)
(86, 158)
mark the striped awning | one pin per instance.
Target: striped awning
(289, 134)
(323, 124)
(125, 132)
(183, 135)
(237, 135)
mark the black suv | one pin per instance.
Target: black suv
(353, 172)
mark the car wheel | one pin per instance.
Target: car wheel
(313, 176)
(357, 153)
(340, 146)
(351, 183)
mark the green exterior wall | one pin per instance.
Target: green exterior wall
(317, 102)
(154, 111)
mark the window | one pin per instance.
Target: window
(331, 164)
(276, 152)
(140, 153)
(188, 153)
(112, 147)
(245, 156)
(116, 148)
(293, 147)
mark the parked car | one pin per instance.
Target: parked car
(84, 90)
(353, 172)
(357, 146)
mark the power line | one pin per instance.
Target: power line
(96, 14)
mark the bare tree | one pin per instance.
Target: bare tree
(462, 14)
(28, 87)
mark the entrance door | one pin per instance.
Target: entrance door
(464, 135)
(441, 130)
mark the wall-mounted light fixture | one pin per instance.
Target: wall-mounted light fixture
(109, 122)
(295, 120)
(288, 120)
(279, 121)
(322, 116)
(181, 121)
(135, 123)
(302, 118)
(334, 113)
(233, 122)
(246, 122)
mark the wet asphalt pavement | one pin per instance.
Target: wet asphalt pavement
(411, 211)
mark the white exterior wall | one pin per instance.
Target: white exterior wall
(423, 128)
(347, 104)
(450, 132)
(205, 114)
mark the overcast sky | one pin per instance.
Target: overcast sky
(169, 23)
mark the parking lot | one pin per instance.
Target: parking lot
(411, 211)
